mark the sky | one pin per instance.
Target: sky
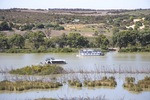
(85, 4)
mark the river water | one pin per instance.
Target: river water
(132, 61)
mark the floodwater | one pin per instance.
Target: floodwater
(134, 61)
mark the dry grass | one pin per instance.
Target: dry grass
(86, 30)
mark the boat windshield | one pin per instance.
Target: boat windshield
(50, 59)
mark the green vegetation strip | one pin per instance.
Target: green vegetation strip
(41, 50)
(140, 86)
(26, 85)
(39, 70)
(110, 82)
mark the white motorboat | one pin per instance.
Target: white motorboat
(54, 61)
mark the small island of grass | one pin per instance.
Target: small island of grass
(27, 85)
(108, 82)
(141, 85)
(38, 70)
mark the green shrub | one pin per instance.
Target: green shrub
(59, 28)
(91, 84)
(40, 26)
(78, 84)
(38, 70)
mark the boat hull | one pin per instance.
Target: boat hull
(92, 54)
(58, 62)
(55, 61)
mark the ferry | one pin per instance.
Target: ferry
(54, 61)
(90, 52)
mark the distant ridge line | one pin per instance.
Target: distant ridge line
(77, 9)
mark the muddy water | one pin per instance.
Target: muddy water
(110, 60)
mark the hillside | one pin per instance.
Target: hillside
(84, 21)
(66, 15)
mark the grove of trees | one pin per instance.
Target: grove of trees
(38, 39)
(131, 38)
(7, 26)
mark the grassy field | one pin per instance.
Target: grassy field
(86, 30)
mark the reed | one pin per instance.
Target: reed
(75, 83)
(106, 70)
(46, 99)
(100, 97)
(4, 70)
(140, 86)
(26, 85)
(105, 81)
(53, 69)
(130, 79)
(84, 98)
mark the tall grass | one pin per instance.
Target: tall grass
(38, 70)
(105, 70)
(26, 85)
(140, 86)
(53, 69)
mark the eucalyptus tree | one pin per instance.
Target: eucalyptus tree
(125, 38)
(101, 41)
(37, 38)
(76, 40)
(3, 41)
(120, 39)
(17, 40)
(144, 37)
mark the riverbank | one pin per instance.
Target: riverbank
(40, 50)
(70, 50)
(135, 49)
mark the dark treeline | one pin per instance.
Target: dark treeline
(7, 26)
(42, 41)
(131, 40)
(79, 9)
(69, 9)
(125, 38)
